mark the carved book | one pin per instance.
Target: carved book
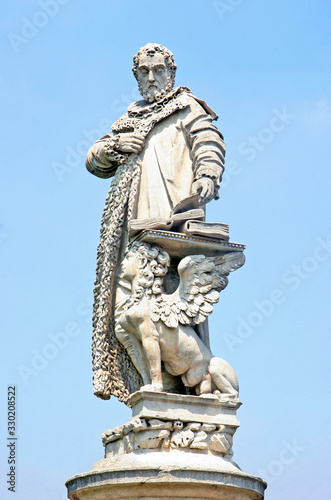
(206, 229)
(183, 211)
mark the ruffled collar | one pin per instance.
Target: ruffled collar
(143, 108)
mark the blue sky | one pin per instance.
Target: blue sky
(264, 67)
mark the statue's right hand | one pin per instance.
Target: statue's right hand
(130, 143)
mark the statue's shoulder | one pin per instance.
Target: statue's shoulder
(197, 103)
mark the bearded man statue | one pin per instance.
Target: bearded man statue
(164, 149)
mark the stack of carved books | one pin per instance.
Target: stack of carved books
(187, 218)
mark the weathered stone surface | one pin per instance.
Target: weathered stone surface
(193, 426)
(138, 424)
(200, 441)
(154, 423)
(167, 160)
(157, 457)
(204, 409)
(221, 442)
(157, 423)
(150, 439)
(208, 427)
(162, 434)
(155, 476)
(181, 439)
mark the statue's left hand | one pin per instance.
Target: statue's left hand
(205, 188)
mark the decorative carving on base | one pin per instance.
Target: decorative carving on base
(155, 426)
(151, 434)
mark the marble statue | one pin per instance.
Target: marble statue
(160, 270)
(165, 149)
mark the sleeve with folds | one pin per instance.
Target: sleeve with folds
(103, 159)
(207, 145)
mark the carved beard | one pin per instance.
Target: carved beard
(157, 96)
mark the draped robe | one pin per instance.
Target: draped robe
(181, 146)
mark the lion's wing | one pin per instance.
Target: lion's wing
(199, 288)
(201, 281)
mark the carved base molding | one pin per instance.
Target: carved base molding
(168, 483)
(162, 453)
(169, 422)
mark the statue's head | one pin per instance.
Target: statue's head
(155, 69)
(149, 263)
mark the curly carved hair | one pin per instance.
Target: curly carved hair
(153, 264)
(150, 49)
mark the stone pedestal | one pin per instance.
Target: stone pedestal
(174, 446)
